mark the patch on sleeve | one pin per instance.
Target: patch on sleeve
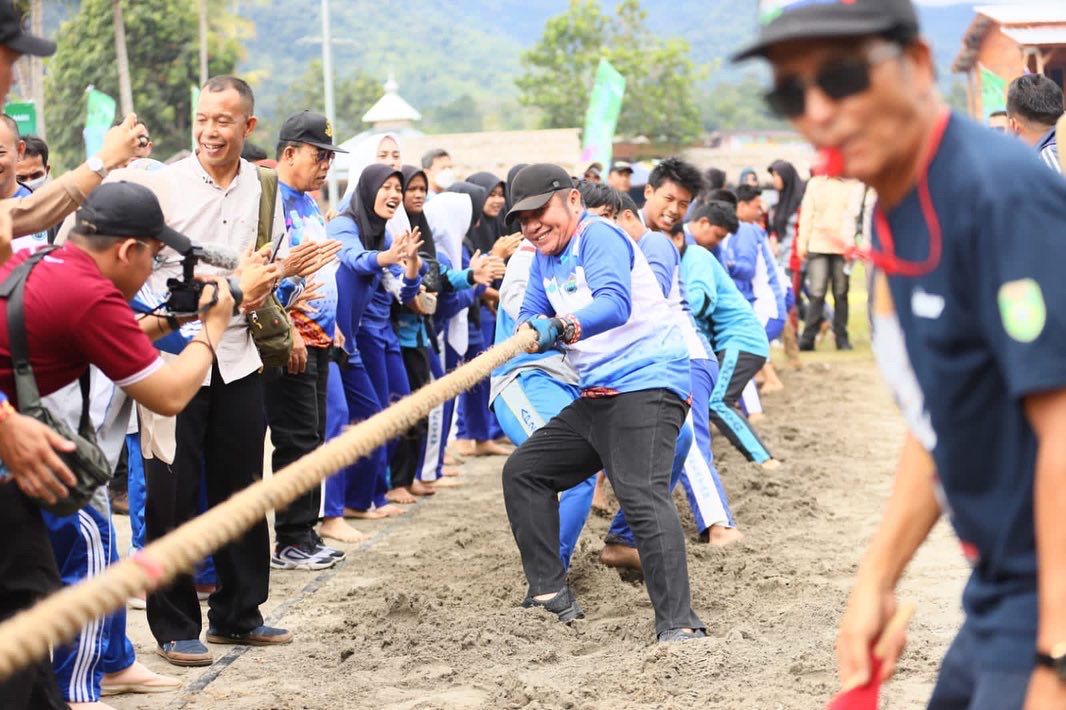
(1022, 309)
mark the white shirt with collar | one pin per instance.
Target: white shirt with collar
(209, 214)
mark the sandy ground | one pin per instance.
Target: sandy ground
(425, 615)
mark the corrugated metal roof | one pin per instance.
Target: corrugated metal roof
(1030, 13)
(1042, 35)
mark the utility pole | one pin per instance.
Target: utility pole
(327, 79)
(125, 92)
(203, 42)
(37, 67)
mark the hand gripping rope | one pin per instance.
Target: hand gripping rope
(28, 636)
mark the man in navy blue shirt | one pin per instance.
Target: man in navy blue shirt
(969, 333)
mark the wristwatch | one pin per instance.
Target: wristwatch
(1055, 660)
(97, 166)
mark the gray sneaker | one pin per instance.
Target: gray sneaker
(563, 605)
(672, 635)
(300, 557)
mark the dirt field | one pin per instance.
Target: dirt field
(425, 615)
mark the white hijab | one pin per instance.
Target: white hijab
(449, 215)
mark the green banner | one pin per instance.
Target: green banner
(25, 115)
(99, 117)
(993, 92)
(605, 104)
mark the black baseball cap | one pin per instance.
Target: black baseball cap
(11, 34)
(126, 209)
(621, 166)
(785, 20)
(534, 185)
(310, 128)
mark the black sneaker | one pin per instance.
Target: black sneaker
(672, 635)
(563, 605)
(845, 345)
(806, 347)
(259, 636)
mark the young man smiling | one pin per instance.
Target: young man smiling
(967, 334)
(591, 291)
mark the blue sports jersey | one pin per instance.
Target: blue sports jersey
(720, 311)
(740, 254)
(665, 263)
(303, 222)
(28, 241)
(628, 341)
(768, 285)
(982, 330)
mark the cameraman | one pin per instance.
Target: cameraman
(76, 315)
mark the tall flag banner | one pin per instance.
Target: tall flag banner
(99, 117)
(601, 119)
(25, 115)
(993, 92)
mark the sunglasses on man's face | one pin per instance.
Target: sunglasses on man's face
(838, 79)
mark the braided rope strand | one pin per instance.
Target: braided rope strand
(28, 636)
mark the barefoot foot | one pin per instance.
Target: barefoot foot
(371, 514)
(451, 471)
(421, 488)
(622, 556)
(337, 529)
(771, 465)
(391, 510)
(491, 448)
(401, 496)
(137, 679)
(720, 535)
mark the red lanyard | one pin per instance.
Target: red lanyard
(886, 260)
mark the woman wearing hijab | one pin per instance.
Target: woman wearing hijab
(374, 269)
(748, 176)
(381, 148)
(477, 427)
(784, 223)
(418, 461)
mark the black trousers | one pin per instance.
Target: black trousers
(409, 447)
(220, 435)
(296, 411)
(27, 574)
(632, 436)
(824, 270)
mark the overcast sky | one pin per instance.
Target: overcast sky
(1031, 3)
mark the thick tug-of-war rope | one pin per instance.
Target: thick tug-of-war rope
(28, 636)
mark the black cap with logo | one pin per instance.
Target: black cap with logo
(12, 36)
(310, 128)
(534, 185)
(786, 20)
(126, 209)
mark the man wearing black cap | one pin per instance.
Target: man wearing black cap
(76, 314)
(621, 176)
(592, 294)
(966, 327)
(296, 395)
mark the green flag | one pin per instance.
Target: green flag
(993, 92)
(25, 115)
(99, 117)
(605, 104)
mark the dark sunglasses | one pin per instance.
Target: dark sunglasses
(322, 155)
(837, 79)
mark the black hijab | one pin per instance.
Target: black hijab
(507, 187)
(418, 219)
(477, 215)
(361, 208)
(490, 229)
(790, 198)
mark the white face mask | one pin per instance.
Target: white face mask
(445, 178)
(36, 184)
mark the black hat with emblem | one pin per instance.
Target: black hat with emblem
(310, 128)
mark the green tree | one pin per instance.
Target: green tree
(661, 79)
(163, 53)
(738, 106)
(353, 95)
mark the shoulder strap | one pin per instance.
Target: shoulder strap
(268, 197)
(13, 289)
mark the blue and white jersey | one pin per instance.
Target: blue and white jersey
(512, 293)
(665, 263)
(628, 340)
(29, 241)
(721, 312)
(768, 284)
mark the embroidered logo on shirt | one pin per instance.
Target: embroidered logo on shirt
(926, 305)
(1022, 309)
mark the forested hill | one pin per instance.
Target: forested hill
(456, 60)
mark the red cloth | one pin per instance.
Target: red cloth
(865, 696)
(75, 317)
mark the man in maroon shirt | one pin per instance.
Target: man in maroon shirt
(76, 315)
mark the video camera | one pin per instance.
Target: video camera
(185, 292)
